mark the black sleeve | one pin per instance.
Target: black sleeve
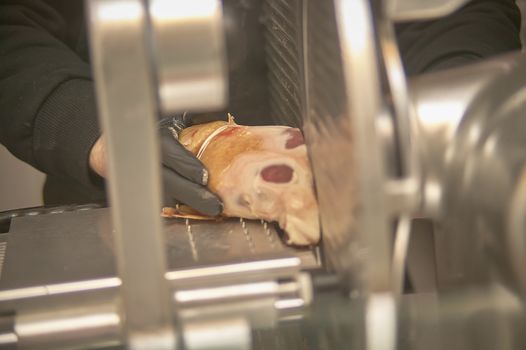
(480, 29)
(47, 104)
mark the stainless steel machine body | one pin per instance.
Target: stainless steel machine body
(61, 279)
(470, 131)
(382, 150)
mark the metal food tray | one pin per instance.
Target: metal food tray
(51, 253)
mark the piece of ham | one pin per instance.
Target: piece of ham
(259, 172)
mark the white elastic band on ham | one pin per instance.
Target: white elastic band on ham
(209, 139)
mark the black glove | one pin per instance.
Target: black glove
(184, 176)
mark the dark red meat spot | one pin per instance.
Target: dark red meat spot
(277, 173)
(295, 138)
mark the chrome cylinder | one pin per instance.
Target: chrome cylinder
(188, 43)
(472, 147)
(439, 102)
(69, 328)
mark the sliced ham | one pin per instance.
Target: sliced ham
(259, 172)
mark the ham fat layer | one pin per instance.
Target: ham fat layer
(259, 172)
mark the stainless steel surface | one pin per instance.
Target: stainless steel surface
(439, 102)
(74, 251)
(458, 155)
(187, 38)
(74, 320)
(401, 246)
(237, 270)
(421, 259)
(61, 265)
(18, 294)
(404, 10)
(468, 320)
(244, 301)
(8, 337)
(481, 318)
(95, 326)
(342, 123)
(400, 155)
(58, 248)
(426, 173)
(284, 33)
(77, 319)
(516, 233)
(381, 322)
(225, 334)
(121, 57)
(262, 291)
(259, 297)
(330, 74)
(328, 131)
(471, 126)
(3, 249)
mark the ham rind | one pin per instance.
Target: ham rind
(259, 172)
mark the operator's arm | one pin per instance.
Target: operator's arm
(47, 103)
(480, 29)
(48, 114)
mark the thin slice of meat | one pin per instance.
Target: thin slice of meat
(259, 172)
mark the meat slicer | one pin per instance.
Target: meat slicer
(447, 146)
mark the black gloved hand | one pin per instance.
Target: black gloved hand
(184, 176)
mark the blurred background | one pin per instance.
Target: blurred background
(20, 184)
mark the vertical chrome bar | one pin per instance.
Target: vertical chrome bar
(365, 103)
(127, 108)
(360, 68)
(381, 322)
